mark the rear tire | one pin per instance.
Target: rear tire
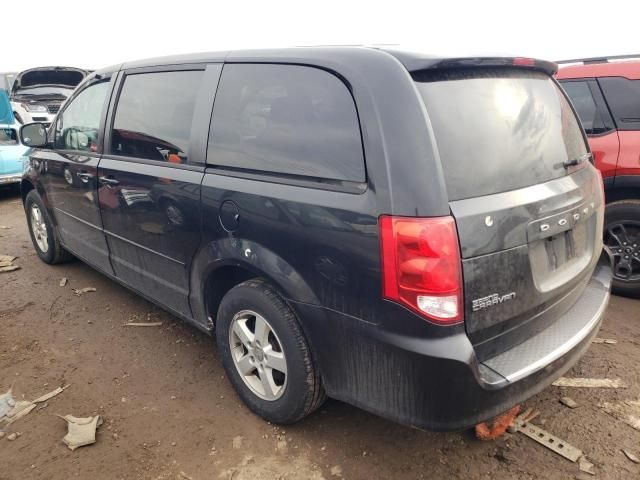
(622, 236)
(280, 381)
(44, 234)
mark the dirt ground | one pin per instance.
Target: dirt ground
(169, 412)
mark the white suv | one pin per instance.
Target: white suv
(38, 93)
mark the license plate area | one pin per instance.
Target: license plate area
(560, 247)
(565, 247)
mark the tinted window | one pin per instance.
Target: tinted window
(78, 125)
(590, 115)
(499, 130)
(154, 114)
(623, 97)
(286, 119)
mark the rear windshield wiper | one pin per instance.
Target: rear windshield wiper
(576, 161)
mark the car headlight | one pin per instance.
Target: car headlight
(33, 107)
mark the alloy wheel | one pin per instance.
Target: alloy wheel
(623, 240)
(258, 355)
(39, 228)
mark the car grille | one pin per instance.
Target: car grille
(53, 107)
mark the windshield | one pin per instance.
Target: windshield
(499, 129)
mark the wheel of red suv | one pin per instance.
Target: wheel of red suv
(622, 236)
(266, 355)
(43, 234)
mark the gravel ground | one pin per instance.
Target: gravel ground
(169, 412)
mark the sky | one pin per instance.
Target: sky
(93, 34)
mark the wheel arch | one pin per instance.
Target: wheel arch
(220, 265)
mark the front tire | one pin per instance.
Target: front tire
(622, 236)
(43, 233)
(266, 355)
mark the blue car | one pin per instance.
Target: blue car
(12, 152)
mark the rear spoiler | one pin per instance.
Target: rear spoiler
(550, 68)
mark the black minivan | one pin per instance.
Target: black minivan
(420, 237)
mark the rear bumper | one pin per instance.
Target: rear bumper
(438, 383)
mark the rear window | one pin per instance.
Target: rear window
(286, 119)
(499, 129)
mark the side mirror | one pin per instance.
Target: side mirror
(34, 135)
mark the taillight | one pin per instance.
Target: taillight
(421, 266)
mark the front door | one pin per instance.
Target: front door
(69, 173)
(150, 182)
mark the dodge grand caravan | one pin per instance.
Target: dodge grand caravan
(420, 237)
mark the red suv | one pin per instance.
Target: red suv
(606, 95)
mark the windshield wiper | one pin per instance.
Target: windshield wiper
(576, 161)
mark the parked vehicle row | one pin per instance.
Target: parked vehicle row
(606, 95)
(420, 237)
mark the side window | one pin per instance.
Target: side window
(286, 119)
(623, 97)
(154, 114)
(593, 118)
(77, 127)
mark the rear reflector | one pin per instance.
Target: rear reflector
(421, 266)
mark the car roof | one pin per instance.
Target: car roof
(628, 69)
(337, 55)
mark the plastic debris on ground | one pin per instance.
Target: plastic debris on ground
(496, 427)
(6, 264)
(82, 291)
(63, 281)
(81, 431)
(590, 382)
(608, 341)
(627, 411)
(12, 410)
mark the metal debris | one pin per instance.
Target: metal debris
(569, 402)
(528, 415)
(551, 442)
(63, 281)
(81, 431)
(590, 382)
(81, 291)
(626, 411)
(586, 466)
(143, 324)
(631, 456)
(608, 341)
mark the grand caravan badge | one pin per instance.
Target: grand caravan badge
(491, 300)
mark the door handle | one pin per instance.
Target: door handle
(84, 176)
(109, 181)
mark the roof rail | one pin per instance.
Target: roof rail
(605, 59)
